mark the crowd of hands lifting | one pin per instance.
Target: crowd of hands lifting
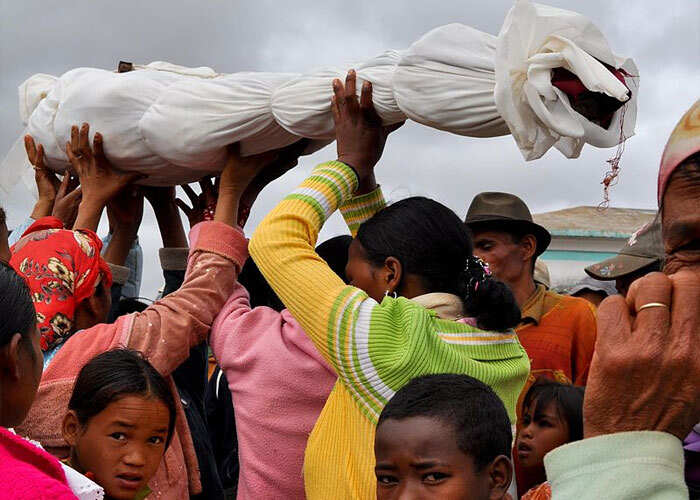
(644, 370)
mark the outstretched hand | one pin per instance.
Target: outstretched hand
(68, 200)
(645, 368)
(203, 204)
(99, 181)
(360, 134)
(287, 159)
(46, 181)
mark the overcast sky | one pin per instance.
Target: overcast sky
(53, 37)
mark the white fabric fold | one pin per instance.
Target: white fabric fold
(173, 122)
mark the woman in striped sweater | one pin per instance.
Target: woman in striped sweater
(405, 312)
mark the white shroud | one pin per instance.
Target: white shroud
(173, 123)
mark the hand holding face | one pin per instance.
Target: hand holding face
(645, 369)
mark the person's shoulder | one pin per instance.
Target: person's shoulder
(575, 305)
(28, 472)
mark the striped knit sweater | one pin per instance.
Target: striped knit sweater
(375, 348)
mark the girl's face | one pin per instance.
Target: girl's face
(543, 430)
(361, 273)
(122, 446)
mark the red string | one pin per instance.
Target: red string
(611, 176)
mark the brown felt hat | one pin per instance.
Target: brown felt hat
(644, 248)
(504, 211)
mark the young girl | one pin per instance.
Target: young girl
(552, 417)
(120, 420)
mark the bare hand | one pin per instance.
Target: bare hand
(46, 181)
(68, 200)
(359, 132)
(288, 158)
(241, 170)
(99, 181)
(235, 179)
(203, 204)
(645, 368)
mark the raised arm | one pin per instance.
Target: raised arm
(167, 330)
(283, 244)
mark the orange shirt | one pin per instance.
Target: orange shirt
(541, 492)
(558, 333)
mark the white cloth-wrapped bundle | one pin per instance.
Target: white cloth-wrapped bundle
(173, 123)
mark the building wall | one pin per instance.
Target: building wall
(567, 256)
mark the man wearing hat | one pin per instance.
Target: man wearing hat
(557, 331)
(642, 254)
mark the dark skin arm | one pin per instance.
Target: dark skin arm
(46, 181)
(163, 201)
(360, 135)
(125, 212)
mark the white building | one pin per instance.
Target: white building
(584, 235)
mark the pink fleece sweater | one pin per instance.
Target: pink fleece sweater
(164, 332)
(279, 384)
(28, 472)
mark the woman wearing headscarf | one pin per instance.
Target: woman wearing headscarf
(70, 282)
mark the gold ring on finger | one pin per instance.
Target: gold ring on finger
(652, 304)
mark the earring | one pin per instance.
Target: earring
(394, 294)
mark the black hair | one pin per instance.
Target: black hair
(431, 242)
(128, 305)
(16, 307)
(472, 408)
(567, 398)
(334, 251)
(113, 375)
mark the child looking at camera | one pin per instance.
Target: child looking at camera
(119, 423)
(443, 436)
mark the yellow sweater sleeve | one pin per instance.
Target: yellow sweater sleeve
(283, 248)
(357, 210)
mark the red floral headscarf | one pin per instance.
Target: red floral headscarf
(62, 268)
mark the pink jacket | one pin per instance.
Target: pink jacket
(164, 332)
(28, 472)
(279, 384)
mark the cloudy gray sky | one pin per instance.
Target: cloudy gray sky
(47, 36)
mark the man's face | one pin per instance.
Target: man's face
(504, 256)
(681, 225)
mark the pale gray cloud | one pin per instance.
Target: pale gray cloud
(53, 37)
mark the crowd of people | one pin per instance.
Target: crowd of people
(423, 356)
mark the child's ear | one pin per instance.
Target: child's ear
(10, 358)
(71, 428)
(500, 475)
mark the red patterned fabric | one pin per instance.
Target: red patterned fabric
(61, 268)
(541, 492)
